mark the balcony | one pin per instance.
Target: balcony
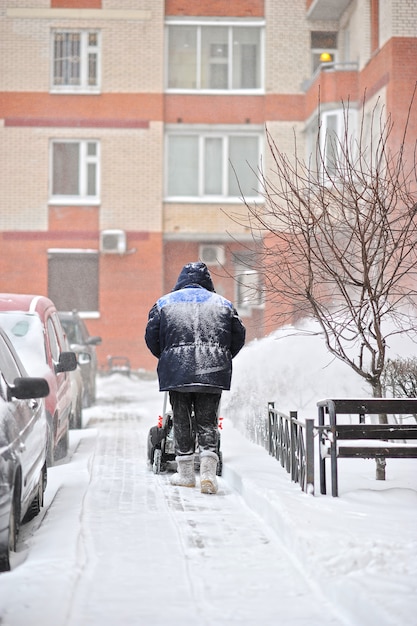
(328, 10)
(331, 83)
(332, 67)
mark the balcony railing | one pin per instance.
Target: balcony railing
(332, 66)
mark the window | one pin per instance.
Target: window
(249, 293)
(75, 64)
(325, 149)
(73, 279)
(323, 48)
(214, 57)
(212, 165)
(74, 170)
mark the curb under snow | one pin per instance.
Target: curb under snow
(267, 489)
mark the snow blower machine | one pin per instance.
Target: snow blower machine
(161, 445)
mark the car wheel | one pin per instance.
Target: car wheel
(86, 398)
(50, 445)
(89, 396)
(62, 447)
(76, 420)
(10, 546)
(37, 502)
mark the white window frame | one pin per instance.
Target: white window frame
(329, 136)
(312, 133)
(229, 24)
(86, 50)
(85, 159)
(316, 52)
(248, 285)
(212, 133)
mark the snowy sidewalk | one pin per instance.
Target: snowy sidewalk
(120, 545)
(117, 544)
(360, 549)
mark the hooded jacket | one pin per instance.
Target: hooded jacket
(195, 333)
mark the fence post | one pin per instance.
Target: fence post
(270, 408)
(322, 461)
(310, 456)
(293, 444)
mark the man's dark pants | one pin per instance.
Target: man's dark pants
(204, 423)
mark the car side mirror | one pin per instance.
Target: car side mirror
(26, 388)
(67, 362)
(84, 358)
(93, 341)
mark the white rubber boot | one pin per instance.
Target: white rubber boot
(185, 475)
(208, 467)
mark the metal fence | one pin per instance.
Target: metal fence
(291, 442)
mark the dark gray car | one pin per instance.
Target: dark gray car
(84, 345)
(23, 447)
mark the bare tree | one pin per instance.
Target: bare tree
(338, 240)
(400, 378)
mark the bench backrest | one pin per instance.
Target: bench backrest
(376, 431)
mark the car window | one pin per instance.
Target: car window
(70, 331)
(26, 333)
(53, 340)
(60, 333)
(8, 365)
(3, 392)
(73, 331)
(83, 331)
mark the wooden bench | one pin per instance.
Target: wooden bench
(360, 440)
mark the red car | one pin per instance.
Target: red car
(32, 324)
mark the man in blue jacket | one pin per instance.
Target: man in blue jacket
(195, 333)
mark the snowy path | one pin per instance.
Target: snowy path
(117, 545)
(182, 557)
(136, 551)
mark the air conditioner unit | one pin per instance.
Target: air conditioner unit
(212, 255)
(113, 241)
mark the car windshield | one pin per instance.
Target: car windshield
(26, 334)
(72, 331)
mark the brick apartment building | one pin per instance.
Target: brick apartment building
(119, 120)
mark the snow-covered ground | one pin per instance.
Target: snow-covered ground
(116, 544)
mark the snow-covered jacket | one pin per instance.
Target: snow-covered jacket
(195, 333)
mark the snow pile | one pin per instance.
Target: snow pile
(292, 368)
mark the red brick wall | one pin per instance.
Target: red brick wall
(75, 4)
(129, 284)
(204, 109)
(235, 8)
(394, 67)
(331, 87)
(127, 292)
(23, 263)
(403, 52)
(109, 106)
(374, 25)
(178, 253)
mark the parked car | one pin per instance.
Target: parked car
(33, 326)
(23, 447)
(77, 392)
(84, 345)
